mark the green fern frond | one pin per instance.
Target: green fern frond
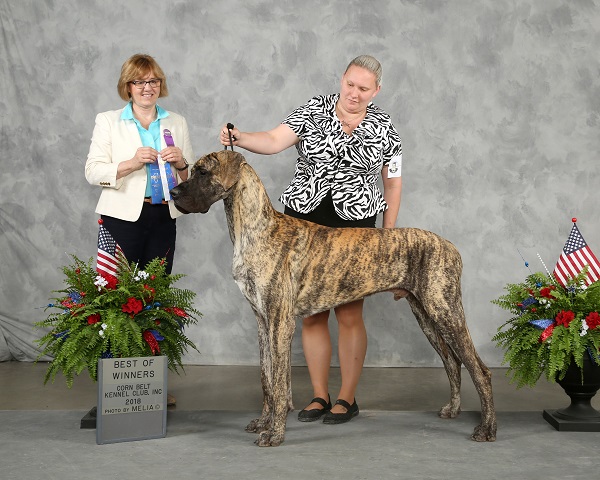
(530, 352)
(96, 322)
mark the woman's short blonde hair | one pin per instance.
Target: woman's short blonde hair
(137, 67)
(370, 63)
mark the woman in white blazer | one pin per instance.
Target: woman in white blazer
(137, 154)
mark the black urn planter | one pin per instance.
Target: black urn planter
(89, 420)
(579, 416)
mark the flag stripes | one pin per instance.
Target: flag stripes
(575, 256)
(109, 255)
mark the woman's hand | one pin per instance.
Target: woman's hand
(143, 155)
(265, 143)
(224, 136)
(174, 156)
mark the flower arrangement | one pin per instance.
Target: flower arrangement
(137, 313)
(552, 325)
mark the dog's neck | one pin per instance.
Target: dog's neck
(248, 208)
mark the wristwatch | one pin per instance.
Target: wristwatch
(183, 168)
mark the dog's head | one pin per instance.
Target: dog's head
(212, 178)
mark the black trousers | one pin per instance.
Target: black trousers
(152, 235)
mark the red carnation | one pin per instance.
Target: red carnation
(565, 318)
(546, 292)
(95, 318)
(593, 320)
(151, 292)
(132, 306)
(111, 282)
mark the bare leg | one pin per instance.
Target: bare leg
(316, 344)
(352, 349)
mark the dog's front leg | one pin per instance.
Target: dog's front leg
(281, 332)
(265, 421)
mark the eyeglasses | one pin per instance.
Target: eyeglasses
(141, 84)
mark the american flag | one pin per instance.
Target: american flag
(110, 254)
(575, 256)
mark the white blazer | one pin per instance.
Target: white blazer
(115, 140)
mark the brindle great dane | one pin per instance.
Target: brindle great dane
(289, 268)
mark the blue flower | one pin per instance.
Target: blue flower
(75, 297)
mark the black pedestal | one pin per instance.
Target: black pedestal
(565, 423)
(581, 386)
(89, 420)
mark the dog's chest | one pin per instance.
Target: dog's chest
(245, 277)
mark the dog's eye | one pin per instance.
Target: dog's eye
(202, 171)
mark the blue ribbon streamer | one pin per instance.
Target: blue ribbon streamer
(542, 323)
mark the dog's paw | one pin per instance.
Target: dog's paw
(484, 434)
(252, 427)
(258, 425)
(268, 439)
(449, 411)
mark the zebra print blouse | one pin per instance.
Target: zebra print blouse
(332, 160)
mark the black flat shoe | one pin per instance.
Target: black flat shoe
(335, 418)
(315, 413)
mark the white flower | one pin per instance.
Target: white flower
(142, 275)
(100, 282)
(584, 328)
(104, 325)
(101, 333)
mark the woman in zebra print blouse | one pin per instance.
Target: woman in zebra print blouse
(344, 143)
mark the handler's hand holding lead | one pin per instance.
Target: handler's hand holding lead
(224, 136)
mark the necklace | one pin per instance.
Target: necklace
(351, 123)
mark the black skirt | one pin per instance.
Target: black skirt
(326, 215)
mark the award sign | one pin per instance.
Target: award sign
(132, 398)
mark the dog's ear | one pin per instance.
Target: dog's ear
(230, 164)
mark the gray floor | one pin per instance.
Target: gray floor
(396, 435)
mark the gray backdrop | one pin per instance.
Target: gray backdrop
(497, 102)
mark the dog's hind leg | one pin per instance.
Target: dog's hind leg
(451, 325)
(449, 359)
(482, 379)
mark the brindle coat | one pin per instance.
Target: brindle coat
(289, 268)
